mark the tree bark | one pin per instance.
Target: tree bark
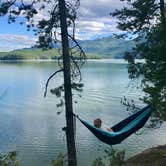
(162, 11)
(67, 87)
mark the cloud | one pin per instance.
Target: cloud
(98, 8)
(94, 18)
(94, 21)
(10, 41)
(11, 38)
(98, 27)
(7, 48)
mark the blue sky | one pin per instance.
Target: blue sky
(94, 21)
(14, 36)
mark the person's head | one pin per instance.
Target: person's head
(97, 122)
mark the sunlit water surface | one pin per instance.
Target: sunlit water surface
(30, 125)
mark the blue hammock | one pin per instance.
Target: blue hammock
(123, 129)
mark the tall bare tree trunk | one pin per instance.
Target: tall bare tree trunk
(162, 11)
(67, 85)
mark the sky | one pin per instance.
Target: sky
(94, 21)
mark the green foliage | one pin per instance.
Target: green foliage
(146, 18)
(138, 16)
(25, 9)
(98, 162)
(154, 70)
(9, 159)
(59, 161)
(24, 54)
(113, 157)
(59, 92)
(77, 86)
(36, 54)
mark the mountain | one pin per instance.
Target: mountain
(106, 47)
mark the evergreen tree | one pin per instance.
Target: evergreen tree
(58, 16)
(147, 20)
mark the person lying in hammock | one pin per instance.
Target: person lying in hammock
(98, 123)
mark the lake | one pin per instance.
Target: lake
(29, 122)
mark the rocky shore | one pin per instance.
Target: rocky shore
(155, 156)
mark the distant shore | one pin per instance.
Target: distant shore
(116, 61)
(37, 54)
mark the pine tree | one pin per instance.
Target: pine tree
(60, 14)
(147, 20)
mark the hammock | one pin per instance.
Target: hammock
(123, 129)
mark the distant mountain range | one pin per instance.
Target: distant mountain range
(106, 47)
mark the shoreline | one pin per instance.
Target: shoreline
(155, 156)
(119, 61)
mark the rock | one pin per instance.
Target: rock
(155, 156)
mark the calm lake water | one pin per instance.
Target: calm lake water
(30, 125)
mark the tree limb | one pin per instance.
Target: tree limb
(46, 86)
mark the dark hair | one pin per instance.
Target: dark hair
(97, 122)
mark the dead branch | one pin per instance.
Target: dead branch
(80, 48)
(46, 86)
(77, 68)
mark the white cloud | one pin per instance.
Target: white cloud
(7, 48)
(98, 8)
(90, 26)
(94, 18)
(10, 41)
(11, 38)
(94, 21)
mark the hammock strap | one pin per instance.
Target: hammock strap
(76, 116)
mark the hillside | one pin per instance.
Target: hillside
(25, 54)
(107, 47)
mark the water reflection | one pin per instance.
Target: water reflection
(30, 125)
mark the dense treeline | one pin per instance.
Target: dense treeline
(27, 54)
